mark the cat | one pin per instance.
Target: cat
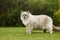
(31, 22)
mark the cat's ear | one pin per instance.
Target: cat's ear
(21, 11)
(28, 11)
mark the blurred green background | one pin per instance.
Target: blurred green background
(10, 10)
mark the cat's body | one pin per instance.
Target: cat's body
(31, 22)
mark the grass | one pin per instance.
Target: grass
(18, 33)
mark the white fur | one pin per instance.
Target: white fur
(37, 21)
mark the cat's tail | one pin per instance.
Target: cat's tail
(56, 28)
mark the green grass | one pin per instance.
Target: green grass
(18, 33)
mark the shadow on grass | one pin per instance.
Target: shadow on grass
(37, 32)
(41, 32)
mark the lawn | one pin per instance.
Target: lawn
(18, 33)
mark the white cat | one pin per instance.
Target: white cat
(31, 22)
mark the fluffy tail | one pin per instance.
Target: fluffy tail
(55, 28)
